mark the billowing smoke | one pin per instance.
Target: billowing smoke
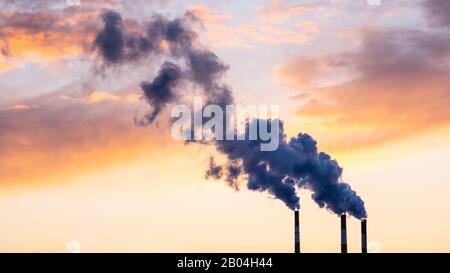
(111, 40)
(295, 164)
(116, 46)
(161, 90)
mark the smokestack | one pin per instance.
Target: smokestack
(343, 233)
(364, 235)
(297, 231)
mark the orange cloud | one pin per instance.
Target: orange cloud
(42, 45)
(209, 17)
(219, 34)
(399, 88)
(52, 139)
(279, 11)
(272, 35)
(97, 96)
(46, 33)
(20, 106)
(301, 72)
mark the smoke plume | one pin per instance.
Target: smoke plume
(295, 164)
(116, 46)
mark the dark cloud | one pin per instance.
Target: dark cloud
(398, 87)
(437, 12)
(398, 54)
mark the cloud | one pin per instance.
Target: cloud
(209, 17)
(56, 137)
(397, 87)
(308, 26)
(219, 34)
(278, 11)
(98, 96)
(6, 65)
(35, 6)
(272, 35)
(48, 29)
(29, 5)
(302, 72)
(51, 29)
(437, 12)
(45, 33)
(20, 106)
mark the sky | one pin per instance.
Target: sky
(370, 82)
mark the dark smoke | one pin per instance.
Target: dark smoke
(206, 69)
(161, 90)
(214, 170)
(110, 40)
(116, 46)
(295, 164)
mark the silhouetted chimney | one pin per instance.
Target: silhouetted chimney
(297, 231)
(364, 235)
(343, 234)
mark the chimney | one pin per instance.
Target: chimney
(297, 231)
(364, 235)
(343, 234)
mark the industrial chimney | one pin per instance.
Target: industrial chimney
(343, 233)
(297, 231)
(364, 235)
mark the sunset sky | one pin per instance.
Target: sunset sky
(371, 83)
